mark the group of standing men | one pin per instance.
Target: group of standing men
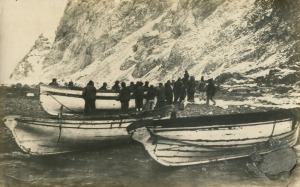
(165, 94)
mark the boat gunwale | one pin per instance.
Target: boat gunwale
(222, 120)
(290, 133)
(216, 127)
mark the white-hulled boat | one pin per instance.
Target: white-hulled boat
(204, 139)
(42, 136)
(70, 101)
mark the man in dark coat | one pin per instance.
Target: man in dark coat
(210, 91)
(176, 90)
(54, 82)
(71, 85)
(202, 89)
(161, 96)
(168, 93)
(150, 96)
(191, 89)
(116, 87)
(89, 96)
(181, 91)
(139, 96)
(186, 75)
(103, 87)
(146, 86)
(132, 87)
(124, 97)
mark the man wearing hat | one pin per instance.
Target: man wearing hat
(89, 96)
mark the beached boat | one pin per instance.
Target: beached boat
(55, 99)
(41, 136)
(204, 139)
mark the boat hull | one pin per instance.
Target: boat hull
(209, 140)
(52, 136)
(71, 101)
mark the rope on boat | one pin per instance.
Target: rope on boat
(60, 102)
(274, 124)
(59, 135)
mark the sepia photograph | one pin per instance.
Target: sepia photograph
(164, 93)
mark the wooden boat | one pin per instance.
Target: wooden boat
(56, 99)
(42, 136)
(204, 139)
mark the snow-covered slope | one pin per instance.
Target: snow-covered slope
(156, 40)
(29, 69)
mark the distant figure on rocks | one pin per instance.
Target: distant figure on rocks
(124, 97)
(161, 97)
(116, 87)
(202, 89)
(54, 82)
(89, 96)
(150, 96)
(186, 75)
(210, 91)
(71, 85)
(103, 87)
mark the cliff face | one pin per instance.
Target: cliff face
(105, 40)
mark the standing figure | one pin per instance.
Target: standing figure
(191, 89)
(54, 82)
(124, 97)
(168, 93)
(71, 85)
(139, 96)
(146, 86)
(176, 90)
(103, 87)
(116, 87)
(132, 87)
(210, 91)
(181, 91)
(150, 96)
(202, 89)
(161, 97)
(89, 96)
(186, 75)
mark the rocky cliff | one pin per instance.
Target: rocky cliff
(156, 40)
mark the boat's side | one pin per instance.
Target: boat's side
(173, 145)
(52, 98)
(177, 153)
(236, 134)
(39, 137)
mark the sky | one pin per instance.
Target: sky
(21, 22)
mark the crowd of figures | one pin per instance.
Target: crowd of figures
(165, 94)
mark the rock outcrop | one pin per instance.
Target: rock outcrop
(156, 40)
